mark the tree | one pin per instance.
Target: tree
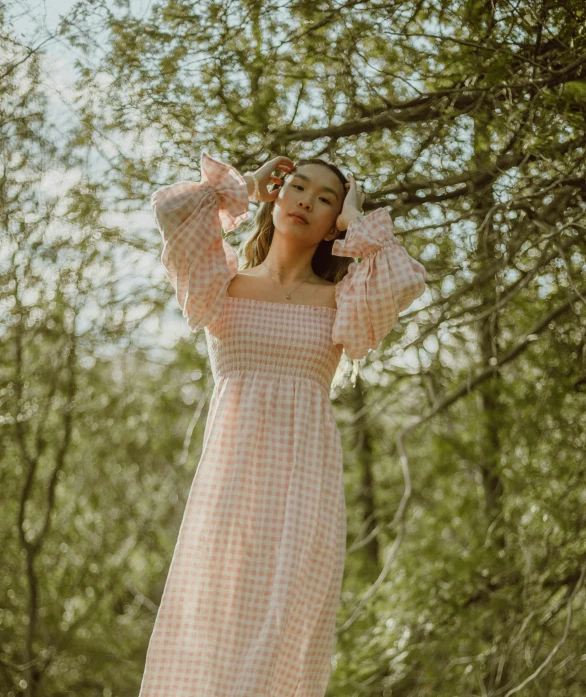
(465, 432)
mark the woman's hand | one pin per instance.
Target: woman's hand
(265, 177)
(352, 207)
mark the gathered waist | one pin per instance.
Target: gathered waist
(277, 373)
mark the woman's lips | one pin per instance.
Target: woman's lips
(298, 218)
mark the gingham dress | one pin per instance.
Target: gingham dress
(251, 597)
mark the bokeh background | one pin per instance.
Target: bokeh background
(464, 434)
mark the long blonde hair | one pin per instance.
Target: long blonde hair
(324, 264)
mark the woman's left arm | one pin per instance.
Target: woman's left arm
(376, 289)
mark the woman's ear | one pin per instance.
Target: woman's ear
(332, 234)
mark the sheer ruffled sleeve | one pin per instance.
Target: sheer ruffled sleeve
(376, 289)
(190, 216)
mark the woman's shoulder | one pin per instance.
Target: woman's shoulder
(325, 293)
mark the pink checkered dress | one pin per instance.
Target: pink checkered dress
(251, 597)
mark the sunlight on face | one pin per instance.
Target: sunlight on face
(314, 191)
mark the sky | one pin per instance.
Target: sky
(32, 23)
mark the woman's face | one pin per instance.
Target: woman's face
(316, 193)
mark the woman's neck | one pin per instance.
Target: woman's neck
(289, 270)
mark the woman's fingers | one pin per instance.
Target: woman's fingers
(283, 163)
(354, 196)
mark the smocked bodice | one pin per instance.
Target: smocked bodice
(289, 340)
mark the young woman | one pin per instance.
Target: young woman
(251, 597)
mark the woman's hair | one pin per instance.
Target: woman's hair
(324, 264)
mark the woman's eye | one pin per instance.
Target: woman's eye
(296, 186)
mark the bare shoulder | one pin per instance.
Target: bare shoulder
(325, 292)
(243, 283)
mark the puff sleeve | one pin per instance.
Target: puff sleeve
(375, 290)
(190, 216)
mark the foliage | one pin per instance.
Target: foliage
(464, 436)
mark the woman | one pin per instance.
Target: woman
(250, 601)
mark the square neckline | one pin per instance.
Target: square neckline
(271, 302)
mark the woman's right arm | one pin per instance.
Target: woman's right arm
(190, 215)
